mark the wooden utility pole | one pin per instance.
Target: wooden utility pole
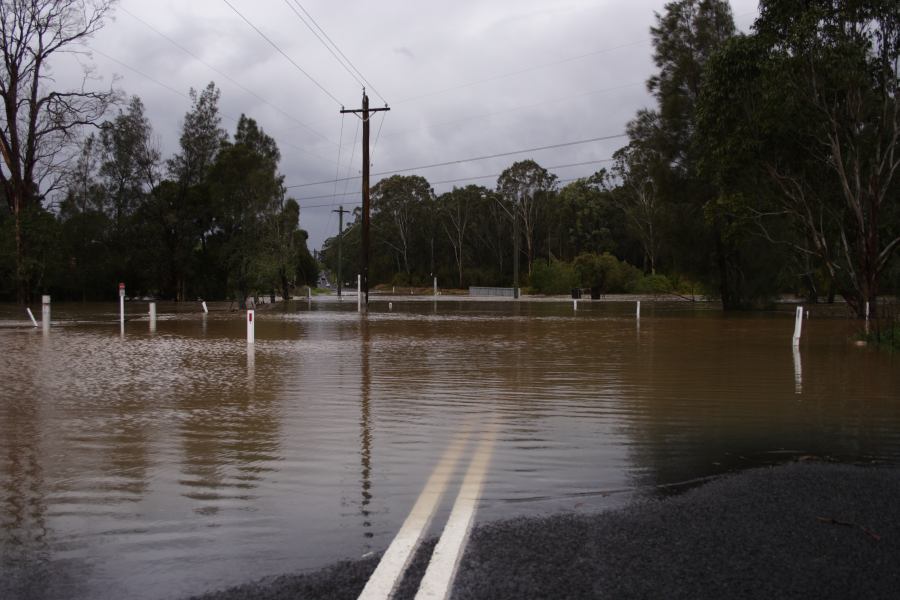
(340, 211)
(364, 252)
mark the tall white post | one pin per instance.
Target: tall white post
(205, 309)
(867, 311)
(251, 325)
(638, 310)
(435, 286)
(309, 292)
(575, 304)
(30, 314)
(798, 325)
(153, 316)
(798, 371)
(359, 293)
(122, 306)
(45, 311)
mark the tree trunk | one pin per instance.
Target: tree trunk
(21, 279)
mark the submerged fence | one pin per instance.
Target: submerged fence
(507, 292)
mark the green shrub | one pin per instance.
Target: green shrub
(653, 284)
(605, 273)
(887, 337)
(553, 277)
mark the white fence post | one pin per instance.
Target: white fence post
(122, 306)
(45, 311)
(798, 325)
(251, 327)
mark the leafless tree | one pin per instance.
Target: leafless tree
(40, 124)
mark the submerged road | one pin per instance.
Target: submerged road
(804, 530)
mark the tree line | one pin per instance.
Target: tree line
(767, 166)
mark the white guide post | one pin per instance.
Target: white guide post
(575, 304)
(122, 305)
(867, 311)
(359, 293)
(45, 311)
(435, 286)
(205, 309)
(251, 327)
(638, 310)
(153, 316)
(30, 314)
(798, 325)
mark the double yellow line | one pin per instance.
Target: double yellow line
(445, 559)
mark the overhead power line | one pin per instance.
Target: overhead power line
(223, 74)
(282, 52)
(332, 47)
(473, 159)
(491, 176)
(521, 71)
(186, 96)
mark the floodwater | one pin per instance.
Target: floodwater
(159, 464)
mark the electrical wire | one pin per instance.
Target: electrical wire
(491, 176)
(350, 163)
(344, 56)
(223, 74)
(283, 53)
(476, 158)
(337, 168)
(186, 96)
(377, 136)
(327, 47)
(522, 71)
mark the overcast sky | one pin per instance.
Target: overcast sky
(464, 78)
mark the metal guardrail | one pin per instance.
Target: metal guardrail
(507, 292)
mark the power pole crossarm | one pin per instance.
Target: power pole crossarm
(364, 251)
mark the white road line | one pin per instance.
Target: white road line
(390, 569)
(441, 570)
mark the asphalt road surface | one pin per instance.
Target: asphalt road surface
(803, 530)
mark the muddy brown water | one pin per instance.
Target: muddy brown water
(161, 464)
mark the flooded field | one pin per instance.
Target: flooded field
(158, 464)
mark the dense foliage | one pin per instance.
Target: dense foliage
(768, 165)
(212, 221)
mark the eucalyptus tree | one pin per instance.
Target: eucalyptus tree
(42, 122)
(457, 210)
(810, 103)
(528, 187)
(401, 207)
(184, 209)
(588, 216)
(130, 161)
(246, 192)
(663, 151)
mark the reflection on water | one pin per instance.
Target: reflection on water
(165, 463)
(798, 371)
(365, 423)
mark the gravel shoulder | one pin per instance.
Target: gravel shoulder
(803, 530)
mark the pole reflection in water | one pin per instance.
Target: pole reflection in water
(251, 367)
(798, 371)
(365, 436)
